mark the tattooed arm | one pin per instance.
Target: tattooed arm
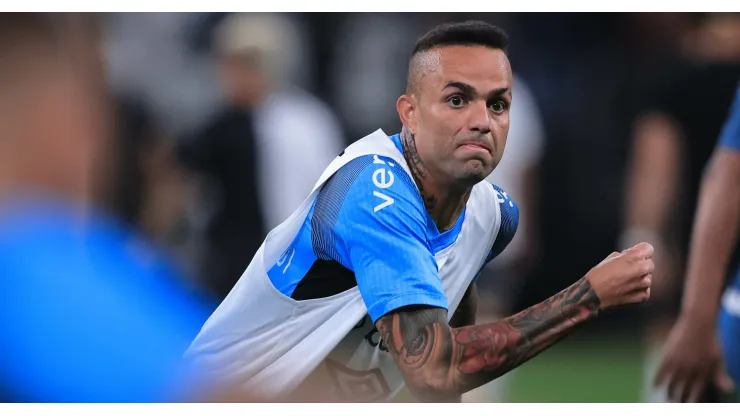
(440, 363)
(465, 315)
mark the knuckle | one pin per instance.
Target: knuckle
(647, 280)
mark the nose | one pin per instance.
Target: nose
(479, 118)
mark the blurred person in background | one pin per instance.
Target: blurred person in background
(149, 190)
(701, 347)
(678, 119)
(264, 151)
(87, 316)
(358, 39)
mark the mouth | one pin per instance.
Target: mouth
(476, 145)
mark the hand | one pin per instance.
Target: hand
(624, 277)
(692, 358)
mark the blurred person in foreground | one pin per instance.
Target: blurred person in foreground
(265, 150)
(370, 284)
(702, 353)
(84, 317)
(674, 135)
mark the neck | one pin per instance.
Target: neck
(21, 176)
(444, 200)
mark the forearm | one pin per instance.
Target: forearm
(439, 361)
(481, 353)
(651, 181)
(714, 235)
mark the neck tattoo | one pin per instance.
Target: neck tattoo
(445, 215)
(416, 166)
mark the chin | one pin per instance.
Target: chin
(473, 172)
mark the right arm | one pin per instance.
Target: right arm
(381, 233)
(439, 361)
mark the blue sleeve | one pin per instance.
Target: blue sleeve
(730, 136)
(382, 228)
(90, 325)
(509, 224)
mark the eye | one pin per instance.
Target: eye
(456, 101)
(498, 107)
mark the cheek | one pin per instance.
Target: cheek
(500, 131)
(442, 125)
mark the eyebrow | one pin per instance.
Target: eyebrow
(466, 88)
(470, 90)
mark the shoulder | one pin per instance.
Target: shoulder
(509, 219)
(374, 184)
(486, 194)
(370, 204)
(509, 207)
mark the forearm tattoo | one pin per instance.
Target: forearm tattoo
(457, 360)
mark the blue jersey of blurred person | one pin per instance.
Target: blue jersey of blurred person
(90, 313)
(729, 321)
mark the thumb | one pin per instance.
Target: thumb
(723, 380)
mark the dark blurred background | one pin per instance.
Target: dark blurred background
(225, 121)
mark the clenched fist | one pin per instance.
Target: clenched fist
(624, 277)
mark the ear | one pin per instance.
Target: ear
(406, 107)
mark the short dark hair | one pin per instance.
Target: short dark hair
(473, 32)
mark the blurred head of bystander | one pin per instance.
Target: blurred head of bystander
(88, 317)
(256, 53)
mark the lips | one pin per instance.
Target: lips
(479, 144)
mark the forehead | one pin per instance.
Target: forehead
(481, 67)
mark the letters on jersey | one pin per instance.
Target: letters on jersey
(382, 179)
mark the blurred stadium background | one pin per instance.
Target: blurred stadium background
(225, 121)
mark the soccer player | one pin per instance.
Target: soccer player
(697, 354)
(370, 285)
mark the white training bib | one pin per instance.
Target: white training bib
(272, 345)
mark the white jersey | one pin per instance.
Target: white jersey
(304, 309)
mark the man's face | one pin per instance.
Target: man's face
(242, 80)
(460, 114)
